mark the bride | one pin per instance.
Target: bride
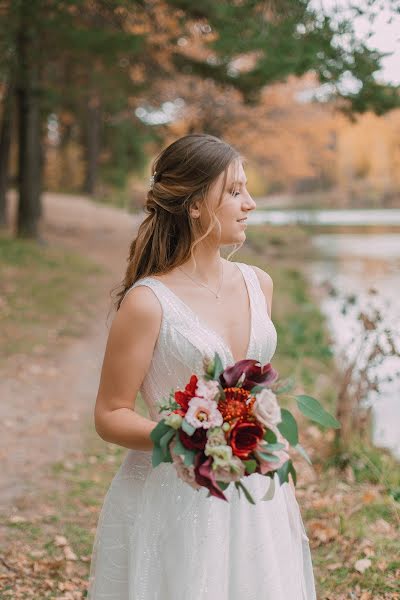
(157, 537)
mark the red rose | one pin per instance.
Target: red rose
(197, 441)
(244, 438)
(182, 398)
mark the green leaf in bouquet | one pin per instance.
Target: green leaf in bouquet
(250, 465)
(240, 485)
(288, 427)
(283, 472)
(238, 488)
(269, 494)
(165, 440)
(222, 395)
(168, 456)
(223, 485)
(311, 408)
(157, 456)
(187, 427)
(292, 470)
(268, 457)
(188, 455)
(303, 453)
(257, 388)
(270, 436)
(159, 430)
(284, 386)
(218, 366)
(273, 447)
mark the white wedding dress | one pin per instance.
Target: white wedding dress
(159, 539)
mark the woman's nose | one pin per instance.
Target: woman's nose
(250, 203)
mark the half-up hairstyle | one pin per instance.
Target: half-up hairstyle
(181, 174)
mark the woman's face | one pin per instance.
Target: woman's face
(235, 205)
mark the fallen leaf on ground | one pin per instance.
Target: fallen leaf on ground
(362, 565)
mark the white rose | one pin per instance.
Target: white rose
(266, 409)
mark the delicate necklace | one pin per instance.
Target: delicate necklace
(216, 294)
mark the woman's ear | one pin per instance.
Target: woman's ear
(195, 210)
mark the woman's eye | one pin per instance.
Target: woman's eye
(235, 192)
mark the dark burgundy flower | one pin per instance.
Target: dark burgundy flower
(244, 438)
(204, 475)
(197, 441)
(255, 374)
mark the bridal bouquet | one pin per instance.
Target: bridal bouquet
(227, 424)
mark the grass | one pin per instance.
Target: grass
(46, 294)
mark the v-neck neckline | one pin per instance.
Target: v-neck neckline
(208, 327)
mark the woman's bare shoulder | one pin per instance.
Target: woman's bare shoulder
(264, 278)
(140, 306)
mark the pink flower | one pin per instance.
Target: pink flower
(207, 389)
(185, 472)
(204, 413)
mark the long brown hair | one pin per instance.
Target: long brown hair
(182, 173)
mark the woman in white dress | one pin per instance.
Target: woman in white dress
(157, 537)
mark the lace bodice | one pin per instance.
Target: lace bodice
(185, 339)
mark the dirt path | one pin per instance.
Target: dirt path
(47, 403)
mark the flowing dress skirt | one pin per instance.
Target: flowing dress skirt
(159, 539)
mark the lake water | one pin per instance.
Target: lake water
(353, 264)
(326, 217)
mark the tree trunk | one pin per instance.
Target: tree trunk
(5, 145)
(29, 129)
(92, 144)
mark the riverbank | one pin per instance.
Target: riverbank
(350, 516)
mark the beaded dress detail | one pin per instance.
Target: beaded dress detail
(159, 539)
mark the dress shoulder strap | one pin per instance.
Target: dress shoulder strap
(148, 282)
(254, 286)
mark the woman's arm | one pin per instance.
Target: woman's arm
(127, 358)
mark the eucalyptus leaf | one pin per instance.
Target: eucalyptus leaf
(246, 492)
(283, 472)
(257, 388)
(166, 438)
(311, 408)
(288, 427)
(270, 436)
(273, 447)
(282, 387)
(269, 494)
(237, 486)
(250, 465)
(292, 470)
(268, 457)
(187, 427)
(223, 484)
(158, 431)
(303, 453)
(187, 454)
(218, 366)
